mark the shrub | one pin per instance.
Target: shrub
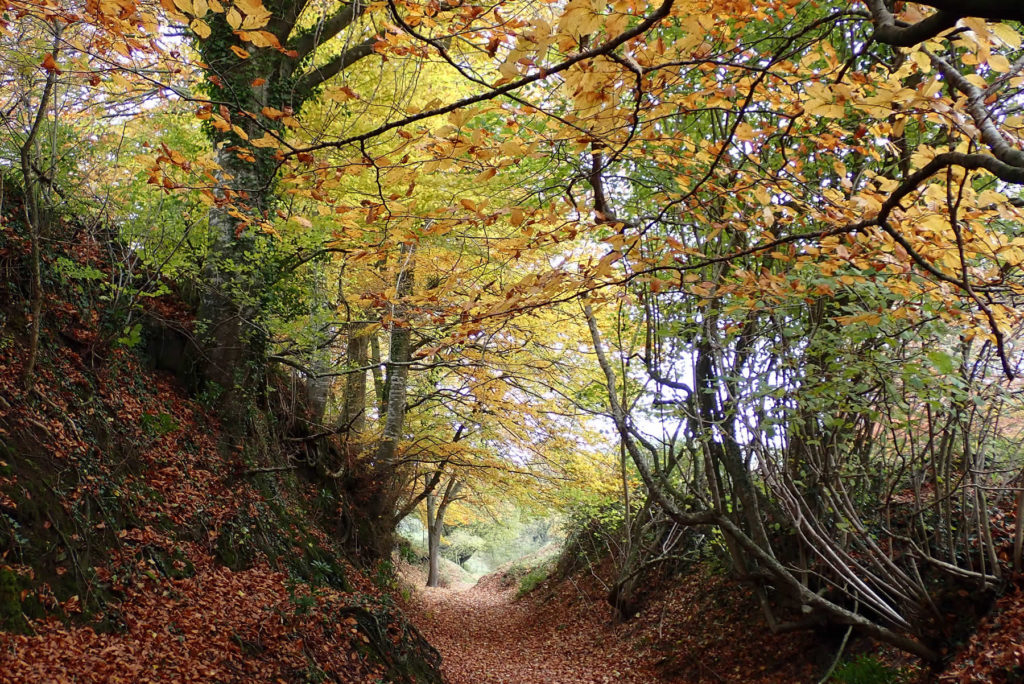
(867, 669)
(533, 578)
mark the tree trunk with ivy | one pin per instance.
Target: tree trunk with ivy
(256, 88)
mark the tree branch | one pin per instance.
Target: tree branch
(322, 32)
(432, 483)
(541, 74)
(983, 119)
(888, 31)
(316, 76)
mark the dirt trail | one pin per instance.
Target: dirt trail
(486, 636)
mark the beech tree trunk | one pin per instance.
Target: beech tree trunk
(435, 527)
(436, 508)
(398, 362)
(233, 337)
(378, 488)
(352, 421)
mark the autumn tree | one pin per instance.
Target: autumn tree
(262, 65)
(828, 217)
(58, 64)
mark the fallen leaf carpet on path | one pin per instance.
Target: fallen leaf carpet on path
(487, 636)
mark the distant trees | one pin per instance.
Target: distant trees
(437, 506)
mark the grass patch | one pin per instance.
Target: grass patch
(533, 579)
(866, 669)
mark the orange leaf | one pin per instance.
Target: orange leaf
(50, 64)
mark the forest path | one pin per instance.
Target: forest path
(488, 636)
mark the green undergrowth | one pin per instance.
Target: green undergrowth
(534, 578)
(866, 669)
(529, 573)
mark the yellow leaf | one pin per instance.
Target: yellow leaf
(200, 8)
(200, 28)
(215, 6)
(604, 267)
(250, 6)
(512, 148)
(827, 110)
(869, 318)
(922, 61)
(1007, 34)
(250, 22)
(256, 18)
(184, 5)
(999, 63)
(266, 140)
(234, 18)
(239, 132)
(272, 113)
(934, 86)
(260, 39)
(508, 70)
(745, 131)
(977, 80)
(340, 94)
(976, 25)
(220, 123)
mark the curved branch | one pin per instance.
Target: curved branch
(602, 49)
(320, 33)
(316, 76)
(889, 32)
(990, 135)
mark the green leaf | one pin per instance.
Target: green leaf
(942, 361)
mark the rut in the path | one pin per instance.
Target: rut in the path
(486, 636)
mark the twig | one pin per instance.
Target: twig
(839, 654)
(270, 469)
